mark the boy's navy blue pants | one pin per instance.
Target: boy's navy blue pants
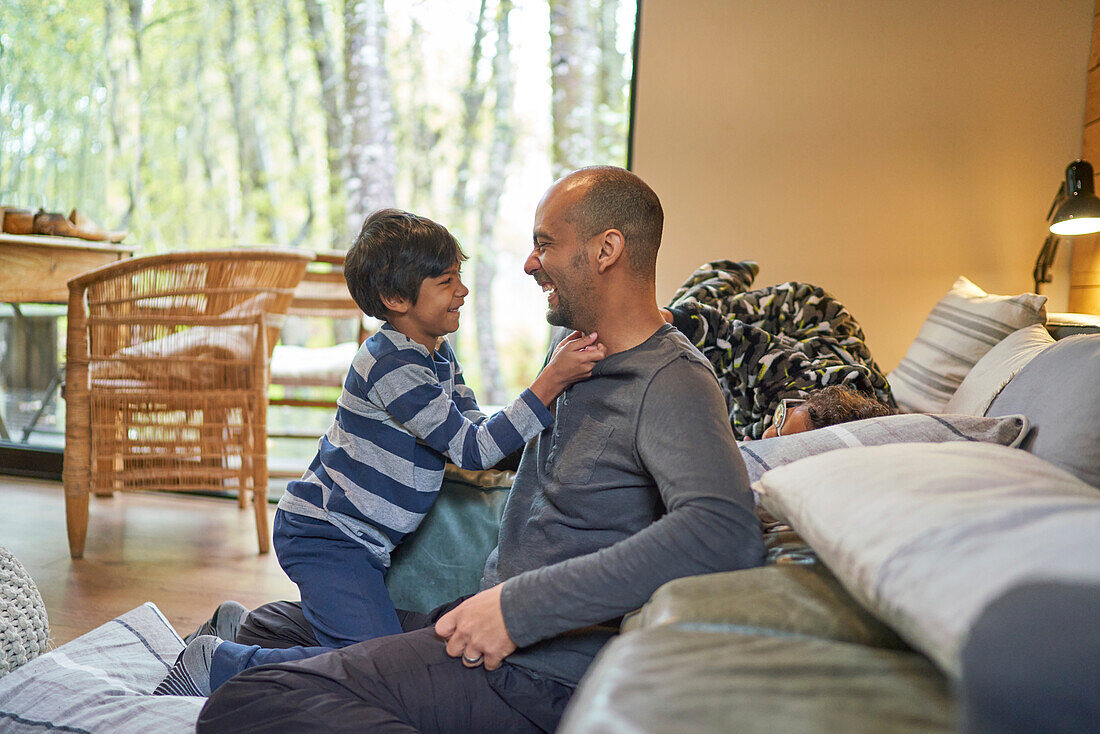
(344, 595)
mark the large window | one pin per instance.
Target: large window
(197, 124)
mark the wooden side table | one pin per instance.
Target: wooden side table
(37, 269)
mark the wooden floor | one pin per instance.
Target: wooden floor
(185, 554)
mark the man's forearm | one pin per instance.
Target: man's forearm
(700, 537)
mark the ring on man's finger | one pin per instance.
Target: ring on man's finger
(471, 661)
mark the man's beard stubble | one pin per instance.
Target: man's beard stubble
(575, 311)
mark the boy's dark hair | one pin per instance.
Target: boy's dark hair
(393, 254)
(840, 404)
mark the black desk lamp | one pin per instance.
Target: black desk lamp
(1075, 210)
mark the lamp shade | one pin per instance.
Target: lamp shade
(1079, 213)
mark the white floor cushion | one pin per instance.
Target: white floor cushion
(926, 535)
(101, 682)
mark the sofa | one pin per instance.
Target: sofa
(918, 579)
(926, 572)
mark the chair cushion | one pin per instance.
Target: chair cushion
(765, 454)
(102, 682)
(671, 680)
(1059, 392)
(309, 366)
(965, 324)
(926, 535)
(999, 365)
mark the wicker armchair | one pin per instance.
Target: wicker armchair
(166, 376)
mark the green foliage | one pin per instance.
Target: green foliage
(200, 124)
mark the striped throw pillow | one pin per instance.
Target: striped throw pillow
(963, 326)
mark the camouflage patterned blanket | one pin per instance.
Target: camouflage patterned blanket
(772, 343)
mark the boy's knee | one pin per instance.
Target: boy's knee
(278, 624)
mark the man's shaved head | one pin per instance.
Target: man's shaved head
(615, 198)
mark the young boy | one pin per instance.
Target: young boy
(403, 413)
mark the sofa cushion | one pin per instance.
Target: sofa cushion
(101, 682)
(1059, 392)
(445, 557)
(965, 324)
(768, 453)
(803, 600)
(994, 370)
(672, 680)
(925, 535)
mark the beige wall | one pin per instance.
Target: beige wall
(878, 148)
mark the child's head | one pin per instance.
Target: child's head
(824, 407)
(393, 254)
(841, 404)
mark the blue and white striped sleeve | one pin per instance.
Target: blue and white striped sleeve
(463, 394)
(414, 397)
(466, 401)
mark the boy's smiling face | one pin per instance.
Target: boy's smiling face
(436, 311)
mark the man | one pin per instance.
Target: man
(609, 503)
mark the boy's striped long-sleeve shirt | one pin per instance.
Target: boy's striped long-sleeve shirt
(402, 413)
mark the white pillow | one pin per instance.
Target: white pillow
(926, 535)
(1000, 364)
(965, 324)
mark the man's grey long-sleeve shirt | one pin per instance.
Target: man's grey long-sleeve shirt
(637, 482)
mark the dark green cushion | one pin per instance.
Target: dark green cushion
(787, 599)
(678, 680)
(445, 557)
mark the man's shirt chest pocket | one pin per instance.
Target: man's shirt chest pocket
(575, 455)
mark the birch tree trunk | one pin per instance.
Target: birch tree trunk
(293, 121)
(372, 169)
(136, 144)
(205, 104)
(574, 63)
(500, 155)
(272, 208)
(242, 224)
(611, 134)
(332, 101)
(258, 193)
(418, 155)
(473, 96)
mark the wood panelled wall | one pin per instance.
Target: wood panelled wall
(1084, 276)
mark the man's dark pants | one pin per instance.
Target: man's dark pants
(401, 683)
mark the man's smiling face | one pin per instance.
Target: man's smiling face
(559, 260)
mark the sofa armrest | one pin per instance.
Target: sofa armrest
(789, 600)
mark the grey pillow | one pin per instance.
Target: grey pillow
(768, 453)
(1059, 392)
